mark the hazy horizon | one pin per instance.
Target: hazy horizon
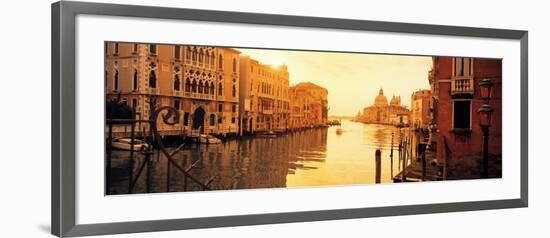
(353, 80)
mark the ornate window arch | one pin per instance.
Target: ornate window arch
(211, 88)
(189, 53)
(200, 87)
(177, 83)
(212, 59)
(115, 80)
(152, 79)
(206, 88)
(187, 85)
(220, 89)
(220, 62)
(135, 80)
(194, 86)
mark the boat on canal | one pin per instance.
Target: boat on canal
(209, 139)
(268, 134)
(124, 143)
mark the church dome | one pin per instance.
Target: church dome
(381, 100)
(395, 101)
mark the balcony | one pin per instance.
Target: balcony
(154, 91)
(462, 86)
(177, 93)
(267, 112)
(197, 95)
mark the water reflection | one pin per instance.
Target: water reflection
(315, 157)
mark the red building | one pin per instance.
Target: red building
(455, 127)
(420, 108)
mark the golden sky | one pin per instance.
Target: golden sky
(352, 80)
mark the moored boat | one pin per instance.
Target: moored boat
(209, 139)
(124, 143)
(269, 134)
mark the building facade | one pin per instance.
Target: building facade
(383, 113)
(264, 96)
(455, 123)
(308, 105)
(420, 108)
(201, 82)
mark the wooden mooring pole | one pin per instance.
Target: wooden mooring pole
(378, 161)
(399, 153)
(405, 151)
(391, 156)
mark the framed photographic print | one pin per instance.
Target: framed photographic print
(167, 118)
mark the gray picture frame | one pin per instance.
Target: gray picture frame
(64, 108)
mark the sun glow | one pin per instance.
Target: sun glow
(352, 79)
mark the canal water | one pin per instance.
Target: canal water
(313, 157)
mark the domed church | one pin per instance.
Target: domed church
(383, 113)
(381, 100)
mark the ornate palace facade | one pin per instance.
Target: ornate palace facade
(201, 82)
(216, 90)
(264, 96)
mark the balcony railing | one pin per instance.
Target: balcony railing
(267, 111)
(197, 95)
(178, 93)
(155, 91)
(462, 85)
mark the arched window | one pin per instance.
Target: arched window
(201, 55)
(206, 58)
(177, 52)
(212, 60)
(188, 54)
(206, 88)
(220, 89)
(234, 65)
(116, 49)
(200, 87)
(135, 81)
(176, 83)
(187, 85)
(212, 119)
(234, 91)
(115, 80)
(153, 49)
(220, 62)
(194, 86)
(194, 54)
(152, 79)
(211, 88)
